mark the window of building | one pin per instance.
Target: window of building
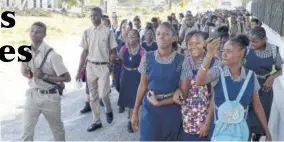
(8, 2)
(40, 3)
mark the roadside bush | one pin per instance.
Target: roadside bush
(34, 12)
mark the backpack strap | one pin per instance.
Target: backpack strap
(41, 65)
(45, 57)
(215, 108)
(123, 49)
(108, 39)
(141, 52)
(240, 95)
(224, 86)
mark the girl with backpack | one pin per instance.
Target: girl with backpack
(266, 56)
(235, 88)
(197, 106)
(130, 56)
(121, 37)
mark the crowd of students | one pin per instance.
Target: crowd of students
(169, 74)
(199, 78)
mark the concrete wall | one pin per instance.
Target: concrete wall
(276, 122)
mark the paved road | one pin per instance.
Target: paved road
(75, 123)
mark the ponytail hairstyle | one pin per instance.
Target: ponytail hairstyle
(242, 41)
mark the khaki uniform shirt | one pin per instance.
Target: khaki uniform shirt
(99, 41)
(53, 66)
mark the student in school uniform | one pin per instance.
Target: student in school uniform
(121, 38)
(196, 107)
(130, 55)
(234, 75)
(223, 33)
(162, 72)
(100, 44)
(43, 97)
(261, 58)
(150, 44)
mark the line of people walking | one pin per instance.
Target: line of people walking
(199, 79)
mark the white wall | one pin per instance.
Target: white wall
(276, 122)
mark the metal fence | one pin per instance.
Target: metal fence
(271, 12)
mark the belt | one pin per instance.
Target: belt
(161, 96)
(98, 63)
(43, 91)
(263, 76)
(266, 75)
(130, 69)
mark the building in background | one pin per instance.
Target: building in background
(224, 4)
(29, 4)
(228, 4)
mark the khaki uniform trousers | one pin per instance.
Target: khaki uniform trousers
(49, 106)
(99, 88)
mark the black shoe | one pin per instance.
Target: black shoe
(101, 103)
(109, 117)
(256, 137)
(129, 128)
(121, 109)
(94, 127)
(86, 109)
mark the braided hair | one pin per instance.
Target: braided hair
(258, 32)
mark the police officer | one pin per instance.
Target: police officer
(100, 44)
(42, 97)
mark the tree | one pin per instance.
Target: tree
(71, 3)
(82, 2)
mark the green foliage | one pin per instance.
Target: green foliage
(33, 12)
(71, 3)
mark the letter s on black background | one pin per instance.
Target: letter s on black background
(25, 53)
(10, 20)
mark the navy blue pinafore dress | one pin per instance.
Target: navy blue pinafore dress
(162, 123)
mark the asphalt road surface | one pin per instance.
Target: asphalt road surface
(76, 124)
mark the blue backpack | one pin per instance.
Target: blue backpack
(231, 124)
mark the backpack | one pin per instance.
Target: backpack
(231, 124)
